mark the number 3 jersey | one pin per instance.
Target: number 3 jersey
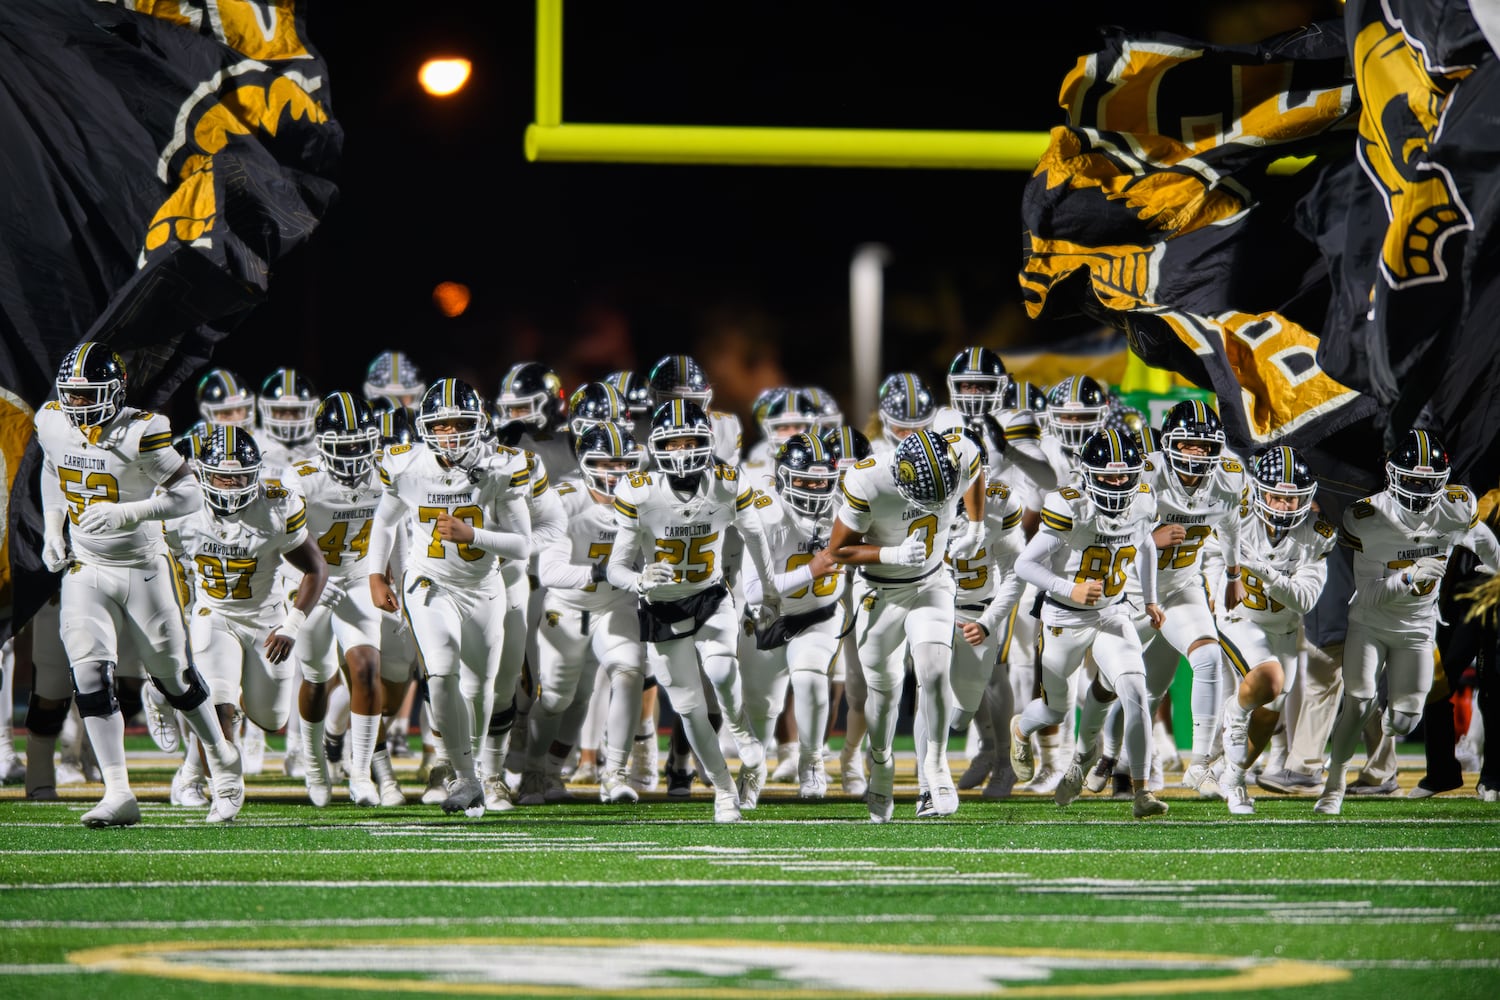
(234, 559)
(339, 517)
(121, 462)
(1078, 543)
(1215, 505)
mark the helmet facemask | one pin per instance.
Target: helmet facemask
(349, 456)
(101, 400)
(681, 461)
(1072, 425)
(1417, 488)
(1189, 465)
(814, 496)
(228, 486)
(974, 394)
(1282, 506)
(458, 440)
(289, 421)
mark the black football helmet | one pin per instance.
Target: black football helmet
(977, 381)
(532, 394)
(1417, 470)
(190, 444)
(224, 399)
(91, 384)
(925, 470)
(1192, 423)
(1023, 395)
(1150, 439)
(637, 393)
(678, 376)
(348, 436)
(287, 404)
(228, 469)
(1076, 407)
(847, 445)
(1283, 486)
(905, 405)
(681, 420)
(453, 403)
(396, 426)
(789, 411)
(1108, 456)
(830, 417)
(607, 453)
(595, 403)
(391, 375)
(804, 459)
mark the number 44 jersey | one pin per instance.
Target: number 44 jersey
(339, 516)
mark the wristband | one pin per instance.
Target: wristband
(289, 628)
(1231, 575)
(888, 554)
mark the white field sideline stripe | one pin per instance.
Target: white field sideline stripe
(555, 818)
(48, 970)
(749, 856)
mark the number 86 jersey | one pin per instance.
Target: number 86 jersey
(1088, 545)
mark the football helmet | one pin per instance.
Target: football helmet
(1108, 456)
(452, 403)
(392, 375)
(91, 384)
(595, 403)
(636, 392)
(925, 470)
(532, 394)
(395, 425)
(678, 376)
(228, 469)
(1283, 487)
(224, 399)
(1417, 470)
(905, 404)
(190, 444)
(1023, 395)
(977, 381)
(347, 436)
(681, 420)
(287, 404)
(830, 417)
(1192, 423)
(846, 445)
(606, 454)
(789, 411)
(1075, 410)
(805, 459)
(1150, 439)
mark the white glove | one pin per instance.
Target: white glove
(765, 614)
(655, 575)
(101, 516)
(1428, 569)
(55, 553)
(911, 552)
(967, 543)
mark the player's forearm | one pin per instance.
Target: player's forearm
(1001, 605)
(1028, 457)
(1146, 567)
(383, 533)
(174, 499)
(505, 544)
(556, 571)
(1482, 542)
(621, 572)
(1034, 566)
(1300, 590)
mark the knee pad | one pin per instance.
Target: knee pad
(100, 701)
(1398, 723)
(131, 702)
(195, 695)
(45, 721)
(502, 721)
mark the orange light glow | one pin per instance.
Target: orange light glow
(444, 77)
(451, 298)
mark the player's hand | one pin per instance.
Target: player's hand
(822, 563)
(966, 544)
(101, 516)
(1169, 534)
(451, 529)
(974, 633)
(657, 574)
(1087, 592)
(278, 647)
(911, 552)
(1234, 593)
(1428, 569)
(381, 594)
(1157, 615)
(764, 614)
(599, 573)
(55, 553)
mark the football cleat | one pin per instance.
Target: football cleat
(465, 795)
(1045, 780)
(1200, 778)
(229, 788)
(161, 721)
(188, 788)
(1236, 733)
(1486, 794)
(1070, 786)
(926, 809)
(1147, 805)
(437, 784)
(385, 779)
(1236, 795)
(614, 788)
(752, 780)
(879, 797)
(643, 768)
(533, 789)
(726, 806)
(497, 797)
(680, 782)
(1098, 776)
(1288, 782)
(944, 796)
(1387, 787)
(554, 789)
(1022, 761)
(12, 768)
(979, 769)
(115, 809)
(812, 779)
(319, 787)
(852, 775)
(363, 792)
(1002, 781)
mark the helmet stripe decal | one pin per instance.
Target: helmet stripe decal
(939, 484)
(911, 397)
(346, 403)
(83, 354)
(395, 368)
(1424, 450)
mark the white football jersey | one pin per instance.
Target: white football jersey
(548, 521)
(235, 559)
(277, 459)
(478, 496)
(555, 450)
(1301, 554)
(1386, 539)
(729, 439)
(339, 517)
(658, 525)
(760, 461)
(794, 539)
(1215, 506)
(121, 462)
(566, 563)
(1095, 546)
(980, 578)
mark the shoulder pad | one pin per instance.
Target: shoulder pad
(865, 463)
(505, 449)
(639, 480)
(718, 415)
(398, 449)
(1362, 508)
(305, 468)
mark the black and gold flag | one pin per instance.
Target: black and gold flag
(158, 156)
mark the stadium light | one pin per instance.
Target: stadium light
(444, 77)
(451, 298)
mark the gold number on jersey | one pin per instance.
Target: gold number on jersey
(971, 574)
(1256, 598)
(1097, 563)
(1456, 494)
(865, 463)
(1185, 553)
(332, 542)
(469, 514)
(214, 575)
(822, 586)
(761, 499)
(1419, 589)
(689, 552)
(640, 479)
(99, 486)
(597, 551)
(928, 526)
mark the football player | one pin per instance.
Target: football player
(677, 376)
(802, 645)
(392, 377)
(674, 519)
(595, 403)
(109, 475)
(1089, 541)
(848, 447)
(1401, 539)
(224, 399)
(636, 392)
(342, 490)
(830, 417)
(1284, 563)
(587, 622)
(904, 405)
(287, 404)
(787, 412)
(895, 524)
(1076, 409)
(533, 416)
(466, 506)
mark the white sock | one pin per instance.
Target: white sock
(363, 730)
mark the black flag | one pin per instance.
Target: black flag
(156, 161)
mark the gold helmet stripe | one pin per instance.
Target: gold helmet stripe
(83, 353)
(1424, 450)
(934, 464)
(911, 396)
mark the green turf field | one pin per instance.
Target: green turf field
(1396, 898)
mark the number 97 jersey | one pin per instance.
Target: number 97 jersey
(1096, 547)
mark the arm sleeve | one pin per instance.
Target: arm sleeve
(171, 500)
(160, 460)
(549, 521)
(1481, 541)
(1300, 589)
(52, 494)
(1009, 591)
(1027, 455)
(513, 510)
(383, 532)
(785, 583)
(621, 571)
(1146, 564)
(1035, 565)
(1230, 530)
(747, 520)
(556, 570)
